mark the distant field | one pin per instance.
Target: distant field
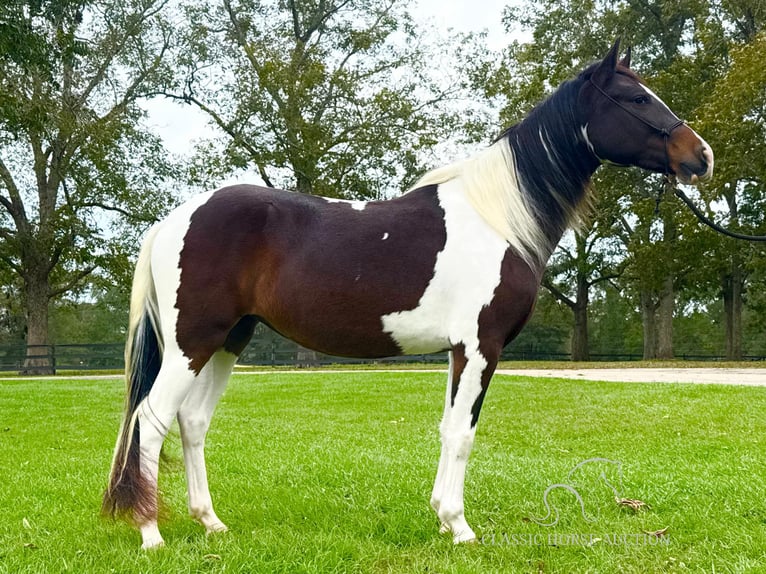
(329, 472)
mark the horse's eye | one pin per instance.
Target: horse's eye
(641, 100)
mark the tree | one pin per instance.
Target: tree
(330, 97)
(571, 275)
(76, 168)
(734, 114)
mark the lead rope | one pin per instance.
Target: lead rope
(712, 224)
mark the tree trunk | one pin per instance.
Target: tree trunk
(732, 284)
(665, 320)
(303, 183)
(580, 350)
(648, 322)
(39, 359)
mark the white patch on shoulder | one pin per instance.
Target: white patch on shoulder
(355, 204)
(466, 274)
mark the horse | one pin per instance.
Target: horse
(452, 265)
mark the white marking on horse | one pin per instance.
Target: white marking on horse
(543, 136)
(355, 204)
(166, 262)
(656, 97)
(707, 151)
(385, 236)
(466, 273)
(584, 132)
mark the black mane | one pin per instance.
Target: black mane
(554, 180)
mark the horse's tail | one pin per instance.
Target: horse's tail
(128, 493)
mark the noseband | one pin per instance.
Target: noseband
(665, 131)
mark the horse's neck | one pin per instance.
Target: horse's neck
(555, 166)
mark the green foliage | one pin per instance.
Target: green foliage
(329, 97)
(616, 324)
(104, 320)
(79, 175)
(547, 330)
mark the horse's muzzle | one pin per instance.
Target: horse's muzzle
(697, 166)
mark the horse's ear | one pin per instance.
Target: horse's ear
(625, 62)
(605, 70)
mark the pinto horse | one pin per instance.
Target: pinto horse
(454, 264)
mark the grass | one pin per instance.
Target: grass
(327, 472)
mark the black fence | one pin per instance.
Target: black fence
(264, 351)
(39, 359)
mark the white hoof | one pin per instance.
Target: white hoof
(151, 537)
(461, 533)
(216, 528)
(153, 544)
(467, 537)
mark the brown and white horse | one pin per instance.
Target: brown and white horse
(454, 264)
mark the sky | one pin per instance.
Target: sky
(180, 126)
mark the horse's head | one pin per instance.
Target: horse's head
(626, 123)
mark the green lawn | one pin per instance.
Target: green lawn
(332, 473)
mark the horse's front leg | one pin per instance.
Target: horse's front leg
(470, 372)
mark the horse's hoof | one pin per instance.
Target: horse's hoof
(466, 537)
(216, 528)
(469, 541)
(153, 544)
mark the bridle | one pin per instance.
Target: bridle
(665, 131)
(668, 178)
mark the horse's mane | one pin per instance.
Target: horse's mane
(491, 186)
(530, 184)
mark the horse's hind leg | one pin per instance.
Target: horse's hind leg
(155, 415)
(194, 419)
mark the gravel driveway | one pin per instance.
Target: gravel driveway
(751, 377)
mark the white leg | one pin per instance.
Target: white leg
(194, 419)
(155, 415)
(458, 429)
(437, 492)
